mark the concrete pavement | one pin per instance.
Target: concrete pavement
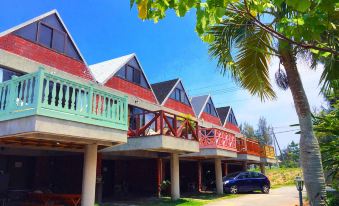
(284, 196)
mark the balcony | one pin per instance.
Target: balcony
(267, 154)
(161, 131)
(215, 142)
(217, 138)
(50, 96)
(248, 149)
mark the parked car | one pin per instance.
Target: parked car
(246, 182)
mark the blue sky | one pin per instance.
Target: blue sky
(107, 29)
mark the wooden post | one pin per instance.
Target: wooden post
(159, 175)
(199, 176)
(98, 196)
(226, 169)
(161, 122)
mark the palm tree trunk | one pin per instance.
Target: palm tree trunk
(309, 147)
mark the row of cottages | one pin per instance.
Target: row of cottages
(76, 134)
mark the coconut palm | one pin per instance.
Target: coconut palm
(244, 48)
(244, 35)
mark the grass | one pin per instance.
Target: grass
(282, 176)
(189, 200)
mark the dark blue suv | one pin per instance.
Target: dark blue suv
(246, 182)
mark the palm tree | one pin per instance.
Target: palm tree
(244, 47)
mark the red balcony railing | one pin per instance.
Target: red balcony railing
(162, 123)
(217, 138)
(248, 146)
(267, 151)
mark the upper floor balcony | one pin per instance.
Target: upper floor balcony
(267, 151)
(248, 149)
(41, 97)
(161, 131)
(217, 139)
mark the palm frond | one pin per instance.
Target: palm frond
(244, 50)
(330, 76)
(253, 64)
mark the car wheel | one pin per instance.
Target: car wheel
(234, 189)
(265, 189)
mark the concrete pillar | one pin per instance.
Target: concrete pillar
(218, 176)
(89, 175)
(244, 166)
(262, 168)
(175, 185)
(199, 176)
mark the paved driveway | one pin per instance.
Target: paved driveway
(284, 196)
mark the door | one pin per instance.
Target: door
(244, 182)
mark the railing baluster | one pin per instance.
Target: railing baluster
(60, 95)
(46, 92)
(73, 98)
(30, 95)
(67, 99)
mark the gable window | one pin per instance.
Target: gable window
(45, 35)
(132, 74)
(209, 108)
(50, 33)
(231, 119)
(178, 94)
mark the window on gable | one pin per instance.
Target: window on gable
(133, 74)
(231, 119)
(179, 95)
(45, 35)
(209, 108)
(50, 33)
(58, 41)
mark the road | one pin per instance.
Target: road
(284, 196)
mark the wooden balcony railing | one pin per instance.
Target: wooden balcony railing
(162, 123)
(217, 138)
(267, 151)
(248, 146)
(46, 94)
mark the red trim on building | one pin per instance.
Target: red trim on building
(232, 127)
(179, 107)
(36, 52)
(210, 118)
(130, 88)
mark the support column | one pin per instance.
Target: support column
(175, 185)
(89, 175)
(199, 176)
(244, 166)
(159, 175)
(262, 168)
(218, 176)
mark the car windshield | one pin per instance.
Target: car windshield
(231, 175)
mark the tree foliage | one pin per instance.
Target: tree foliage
(290, 156)
(326, 126)
(309, 25)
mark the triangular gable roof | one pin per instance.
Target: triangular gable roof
(10, 30)
(199, 103)
(224, 113)
(164, 89)
(103, 71)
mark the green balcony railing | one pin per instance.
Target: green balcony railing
(46, 94)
